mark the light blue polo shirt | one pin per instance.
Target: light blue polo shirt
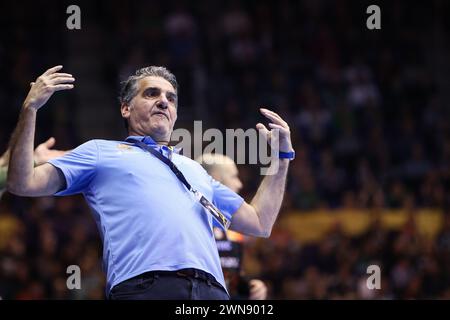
(147, 218)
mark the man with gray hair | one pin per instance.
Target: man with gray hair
(153, 207)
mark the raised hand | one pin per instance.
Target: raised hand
(277, 123)
(43, 152)
(45, 85)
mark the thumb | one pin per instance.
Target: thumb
(263, 130)
(50, 142)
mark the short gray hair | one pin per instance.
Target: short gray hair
(129, 88)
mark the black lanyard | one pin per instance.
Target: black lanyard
(211, 208)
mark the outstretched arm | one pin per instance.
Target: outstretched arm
(258, 217)
(23, 178)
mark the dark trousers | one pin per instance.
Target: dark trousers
(185, 284)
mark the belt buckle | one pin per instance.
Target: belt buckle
(196, 274)
(181, 274)
(186, 273)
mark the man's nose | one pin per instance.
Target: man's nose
(163, 104)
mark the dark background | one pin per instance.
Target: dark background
(368, 110)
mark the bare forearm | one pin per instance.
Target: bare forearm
(23, 178)
(269, 197)
(258, 217)
(21, 164)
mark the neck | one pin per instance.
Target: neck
(165, 143)
(158, 140)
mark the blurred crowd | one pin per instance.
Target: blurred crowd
(411, 265)
(39, 240)
(368, 117)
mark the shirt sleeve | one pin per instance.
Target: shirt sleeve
(226, 200)
(78, 167)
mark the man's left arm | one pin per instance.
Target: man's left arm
(258, 217)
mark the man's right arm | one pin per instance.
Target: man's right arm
(23, 178)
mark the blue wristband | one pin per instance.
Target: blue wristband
(286, 155)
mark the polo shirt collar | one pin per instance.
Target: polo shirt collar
(150, 142)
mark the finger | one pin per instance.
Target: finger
(263, 130)
(62, 77)
(61, 80)
(50, 142)
(53, 70)
(60, 87)
(274, 117)
(271, 112)
(267, 111)
(31, 84)
(59, 74)
(277, 126)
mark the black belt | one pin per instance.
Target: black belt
(187, 273)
